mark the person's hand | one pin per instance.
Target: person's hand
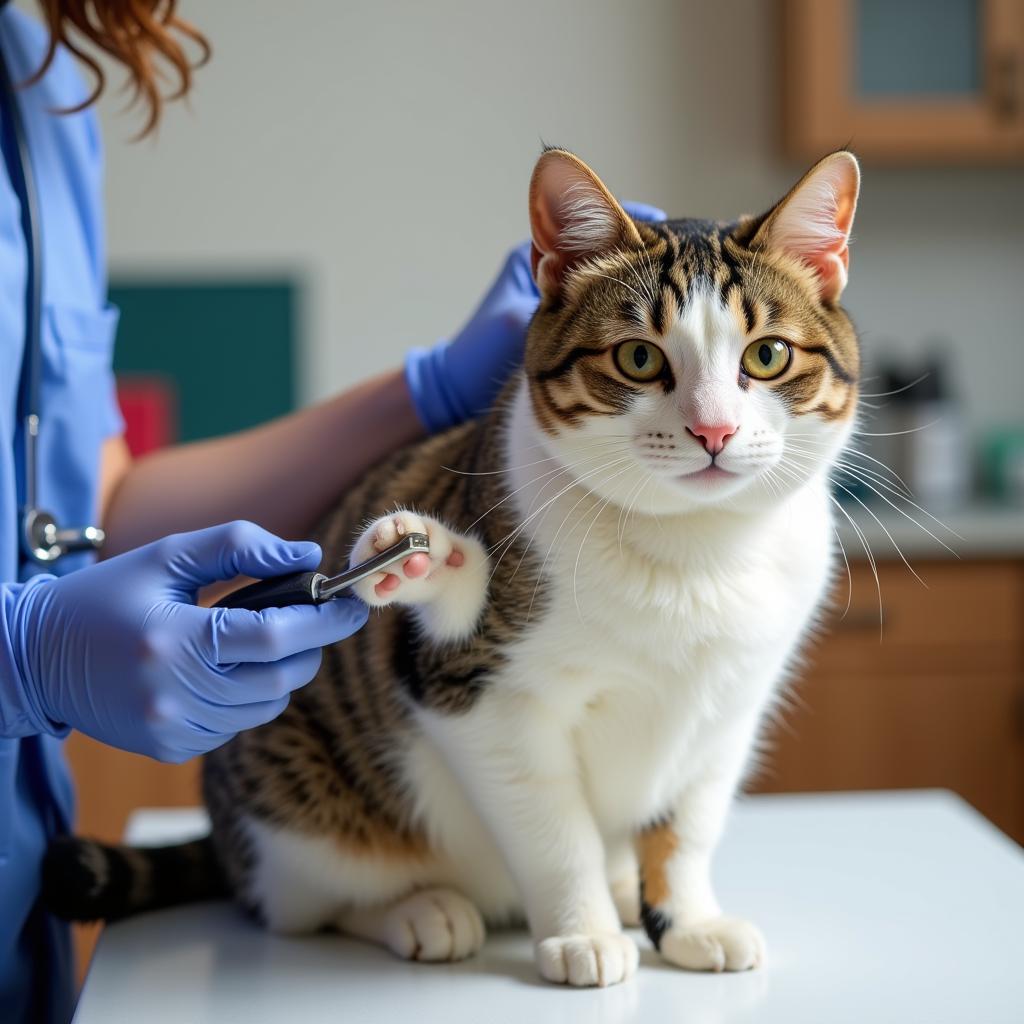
(121, 652)
(460, 377)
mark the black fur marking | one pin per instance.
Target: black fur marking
(658, 313)
(633, 314)
(568, 362)
(655, 923)
(749, 316)
(837, 368)
(403, 661)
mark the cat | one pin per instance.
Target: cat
(549, 715)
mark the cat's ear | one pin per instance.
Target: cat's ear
(573, 217)
(812, 223)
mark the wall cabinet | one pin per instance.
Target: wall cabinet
(904, 81)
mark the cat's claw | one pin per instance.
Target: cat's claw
(411, 582)
(587, 960)
(721, 944)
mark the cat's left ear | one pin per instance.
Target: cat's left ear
(573, 217)
(812, 223)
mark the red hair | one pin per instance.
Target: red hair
(146, 36)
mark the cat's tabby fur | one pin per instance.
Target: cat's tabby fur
(552, 725)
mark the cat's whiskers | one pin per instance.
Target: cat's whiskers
(554, 541)
(898, 391)
(870, 557)
(857, 474)
(510, 538)
(654, 279)
(617, 280)
(632, 508)
(583, 544)
(849, 450)
(895, 433)
(566, 467)
(622, 509)
(885, 530)
(843, 463)
(529, 543)
(842, 547)
(644, 283)
(562, 467)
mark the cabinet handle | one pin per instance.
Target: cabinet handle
(1005, 85)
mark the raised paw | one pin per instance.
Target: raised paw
(409, 582)
(721, 944)
(434, 925)
(587, 960)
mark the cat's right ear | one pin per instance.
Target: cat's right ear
(573, 218)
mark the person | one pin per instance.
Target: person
(119, 648)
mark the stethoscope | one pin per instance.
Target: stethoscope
(42, 538)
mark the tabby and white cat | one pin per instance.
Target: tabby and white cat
(551, 713)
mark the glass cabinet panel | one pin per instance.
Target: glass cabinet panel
(917, 48)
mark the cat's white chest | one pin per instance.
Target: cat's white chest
(655, 664)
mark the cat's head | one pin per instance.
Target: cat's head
(689, 363)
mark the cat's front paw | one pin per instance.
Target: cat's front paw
(415, 579)
(721, 944)
(587, 960)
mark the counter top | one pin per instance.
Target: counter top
(884, 907)
(975, 531)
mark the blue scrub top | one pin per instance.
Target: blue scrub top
(78, 411)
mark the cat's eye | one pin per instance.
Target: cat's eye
(639, 360)
(767, 358)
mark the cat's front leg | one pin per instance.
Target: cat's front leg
(518, 767)
(446, 588)
(679, 910)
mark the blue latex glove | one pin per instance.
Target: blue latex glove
(460, 377)
(121, 652)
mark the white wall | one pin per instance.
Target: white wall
(383, 150)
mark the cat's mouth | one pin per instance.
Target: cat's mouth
(708, 474)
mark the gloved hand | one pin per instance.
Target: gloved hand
(460, 377)
(120, 651)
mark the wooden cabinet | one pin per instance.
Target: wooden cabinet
(111, 784)
(936, 700)
(904, 80)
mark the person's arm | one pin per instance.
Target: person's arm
(286, 474)
(283, 475)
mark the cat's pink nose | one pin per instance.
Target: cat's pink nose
(713, 437)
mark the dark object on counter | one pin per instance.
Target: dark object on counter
(925, 438)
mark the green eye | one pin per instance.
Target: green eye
(767, 358)
(639, 360)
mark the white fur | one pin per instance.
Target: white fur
(671, 610)
(589, 225)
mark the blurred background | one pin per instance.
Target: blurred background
(347, 178)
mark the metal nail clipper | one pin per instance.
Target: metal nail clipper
(315, 587)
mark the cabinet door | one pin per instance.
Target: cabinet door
(111, 784)
(936, 700)
(882, 731)
(905, 80)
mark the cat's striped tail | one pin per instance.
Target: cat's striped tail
(84, 880)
